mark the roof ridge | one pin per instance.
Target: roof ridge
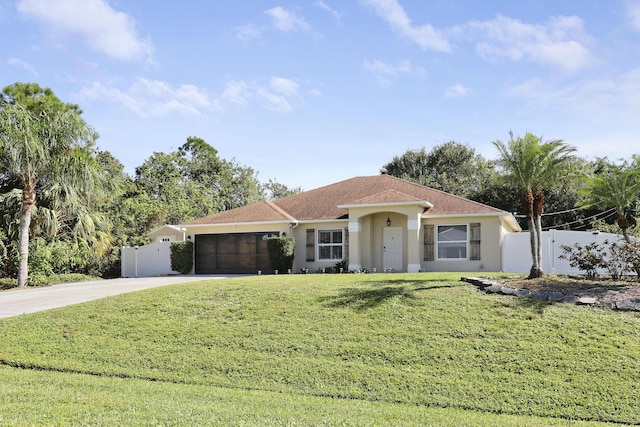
(278, 209)
(387, 191)
(444, 192)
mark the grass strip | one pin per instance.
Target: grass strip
(49, 398)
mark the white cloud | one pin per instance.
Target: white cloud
(236, 93)
(560, 42)
(277, 96)
(274, 102)
(20, 63)
(605, 99)
(425, 36)
(633, 12)
(286, 87)
(322, 5)
(248, 32)
(457, 91)
(100, 92)
(149, 98)
(287, 21)
(102, 28)
(386, 72)
(154, 98)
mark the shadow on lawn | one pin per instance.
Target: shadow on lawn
(362, 299)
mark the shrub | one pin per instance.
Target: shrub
(341, 266)
(587, 258)
(182, 257)
(618, 258)
(624, 258)
(280, 250)
(40, 261)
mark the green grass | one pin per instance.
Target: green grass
(321, 349)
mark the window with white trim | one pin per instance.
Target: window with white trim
(452, 242)
(330, 244)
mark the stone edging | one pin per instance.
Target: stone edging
(493, 287)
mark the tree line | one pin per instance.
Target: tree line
(67, 207)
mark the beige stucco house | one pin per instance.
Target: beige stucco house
(376, 223)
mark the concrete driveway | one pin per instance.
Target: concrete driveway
(20, 301)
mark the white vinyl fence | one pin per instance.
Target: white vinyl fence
(146, 261)
(516, 250)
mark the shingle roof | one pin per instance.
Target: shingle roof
(387, 197)
(322, 203)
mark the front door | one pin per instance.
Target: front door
(392, 248)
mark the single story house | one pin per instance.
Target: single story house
(378, 223)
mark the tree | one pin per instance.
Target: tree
(451, 167)
(275, 190)
(45, 151)
(194, 182)
(534, 165)
(616, 187)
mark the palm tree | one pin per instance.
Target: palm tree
(533, 165)
(618, 187)
(45, 147)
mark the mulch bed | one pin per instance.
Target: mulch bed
(602, 289)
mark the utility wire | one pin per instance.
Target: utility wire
(603, 214)
(517, 215)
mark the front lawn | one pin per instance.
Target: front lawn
(409, 346)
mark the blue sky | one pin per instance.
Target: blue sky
(313, 92)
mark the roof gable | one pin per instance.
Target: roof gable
(329, 202)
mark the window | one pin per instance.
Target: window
(452, 242)
(330, 244)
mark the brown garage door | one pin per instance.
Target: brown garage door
(231, 253)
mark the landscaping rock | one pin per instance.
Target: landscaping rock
(625, 305)
(556, 296)
(587, 300)
(540, 296)
(577, 293)
(606, 304)
(495, 288)
(509, 290)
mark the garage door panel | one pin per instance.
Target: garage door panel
(226, 244)
(246, 244)
(231, 253)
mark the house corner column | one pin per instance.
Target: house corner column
(354, 245)
(413, 251)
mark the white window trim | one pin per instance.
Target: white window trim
(437, 243)
(319, 245)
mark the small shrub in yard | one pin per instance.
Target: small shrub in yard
(618, 258)
(588, 258)
(182, 257)
(280, 250)
(8, 283)
(624, 258)
(341, 266)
